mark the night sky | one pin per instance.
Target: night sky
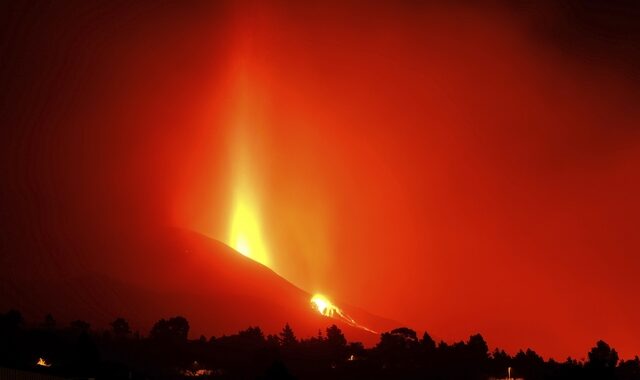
(459, 168)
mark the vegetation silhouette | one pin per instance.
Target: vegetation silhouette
(78, 351)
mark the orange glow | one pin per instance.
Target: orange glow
(43, 363)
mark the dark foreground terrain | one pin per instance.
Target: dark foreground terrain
(77, 351)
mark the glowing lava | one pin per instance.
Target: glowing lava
(323, 306)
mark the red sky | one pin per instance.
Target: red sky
(460, 169)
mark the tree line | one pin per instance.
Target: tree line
(76, 350)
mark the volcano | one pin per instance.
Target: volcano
(171, 272)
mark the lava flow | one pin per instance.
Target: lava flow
(325, 307)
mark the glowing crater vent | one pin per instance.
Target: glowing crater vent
(325, 307)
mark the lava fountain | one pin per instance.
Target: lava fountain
(245, 234)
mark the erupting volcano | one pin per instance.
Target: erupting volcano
(258, 163)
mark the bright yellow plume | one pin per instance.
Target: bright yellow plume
(246, 235)
(246, 227)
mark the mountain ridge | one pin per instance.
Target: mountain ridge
(216, 288)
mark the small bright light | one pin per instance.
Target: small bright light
(43, 363)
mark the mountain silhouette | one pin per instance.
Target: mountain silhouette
(166, 272)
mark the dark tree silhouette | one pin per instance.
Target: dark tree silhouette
(478, 346)
(11, 321)
(175, 329)
(427, 343)
(252, 334)
(602, 356)
(500, 361)
(120, 327)
(529, 364)
(86, 354)
(277, 371)
(49, 323)
(272, 341)
(80, 325)
(400, 338)
(602, 361)
(477, 357)
(167, 354)
(398, 348)
(287, 337)
(336, 344)
(629, 369)
(335, 337)
(356, 349)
